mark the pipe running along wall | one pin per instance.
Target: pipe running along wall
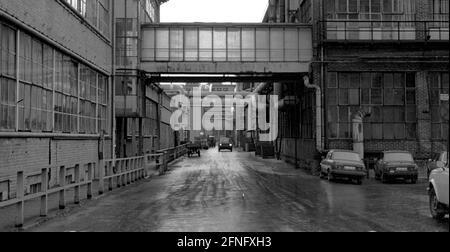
(319, 141)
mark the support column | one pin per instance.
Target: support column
(423, 114)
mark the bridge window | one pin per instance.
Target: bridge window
(388, 96)
(221, 43)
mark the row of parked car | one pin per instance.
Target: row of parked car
(393, 165)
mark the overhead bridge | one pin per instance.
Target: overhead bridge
(226, 48)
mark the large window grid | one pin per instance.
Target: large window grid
(390, 97)
(380, 10)
(102, 97)
(127, 42)
(35, 86)
(438, 84)
(7, 77)
(88, 100)
(66, 95)
(47, 96)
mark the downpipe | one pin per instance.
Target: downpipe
(319, 142)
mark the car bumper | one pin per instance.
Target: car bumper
(405, 174)
(349, 174)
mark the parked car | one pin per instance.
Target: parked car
(396, 164)
(225, 144)
(437, 161)
(438, 192)
(343, 164)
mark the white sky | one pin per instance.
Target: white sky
(234, 11)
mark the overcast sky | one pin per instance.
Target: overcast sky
(235, 11)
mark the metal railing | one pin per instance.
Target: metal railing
(354, 30)
(115, 172)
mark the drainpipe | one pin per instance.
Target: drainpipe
(282, 11)
(319, 142)
(286, 11)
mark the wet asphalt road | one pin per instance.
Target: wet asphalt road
(238, 192)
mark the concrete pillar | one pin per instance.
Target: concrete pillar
(423, 114)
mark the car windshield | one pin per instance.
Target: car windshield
(346, 156)
(225, 140)
(398, 157)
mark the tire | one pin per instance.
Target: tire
(384, 178)
(359, 182)
(414, 181)
(436, 208)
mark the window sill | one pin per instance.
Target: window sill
(61, 136)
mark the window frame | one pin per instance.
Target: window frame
(366, 80)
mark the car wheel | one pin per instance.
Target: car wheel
(384, 178)
(436, 208)
(414, 181)
(359, 181)
(330, 176)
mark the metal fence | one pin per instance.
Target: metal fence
(338, 30)
(114, 172)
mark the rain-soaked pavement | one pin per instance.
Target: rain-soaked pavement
(239, 192)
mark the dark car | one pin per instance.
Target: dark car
(396, 164)
(343, 164)
(225, 144)
(439, 160)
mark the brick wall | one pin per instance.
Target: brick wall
(30, 155)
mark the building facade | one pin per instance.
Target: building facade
(142, 107)
(386, 60)
(68, 70)
(55, 87)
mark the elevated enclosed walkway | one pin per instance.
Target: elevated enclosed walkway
(216, 48)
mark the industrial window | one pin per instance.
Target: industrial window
(389, 96)
(386, 10)
(438, 84)
(126, 42)
(66, 94)
(102, 104)
(35, 87)
(7, 77)
(103, 17)
(88, 100)
(35, 188)
(47, 96)
(440, 7)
